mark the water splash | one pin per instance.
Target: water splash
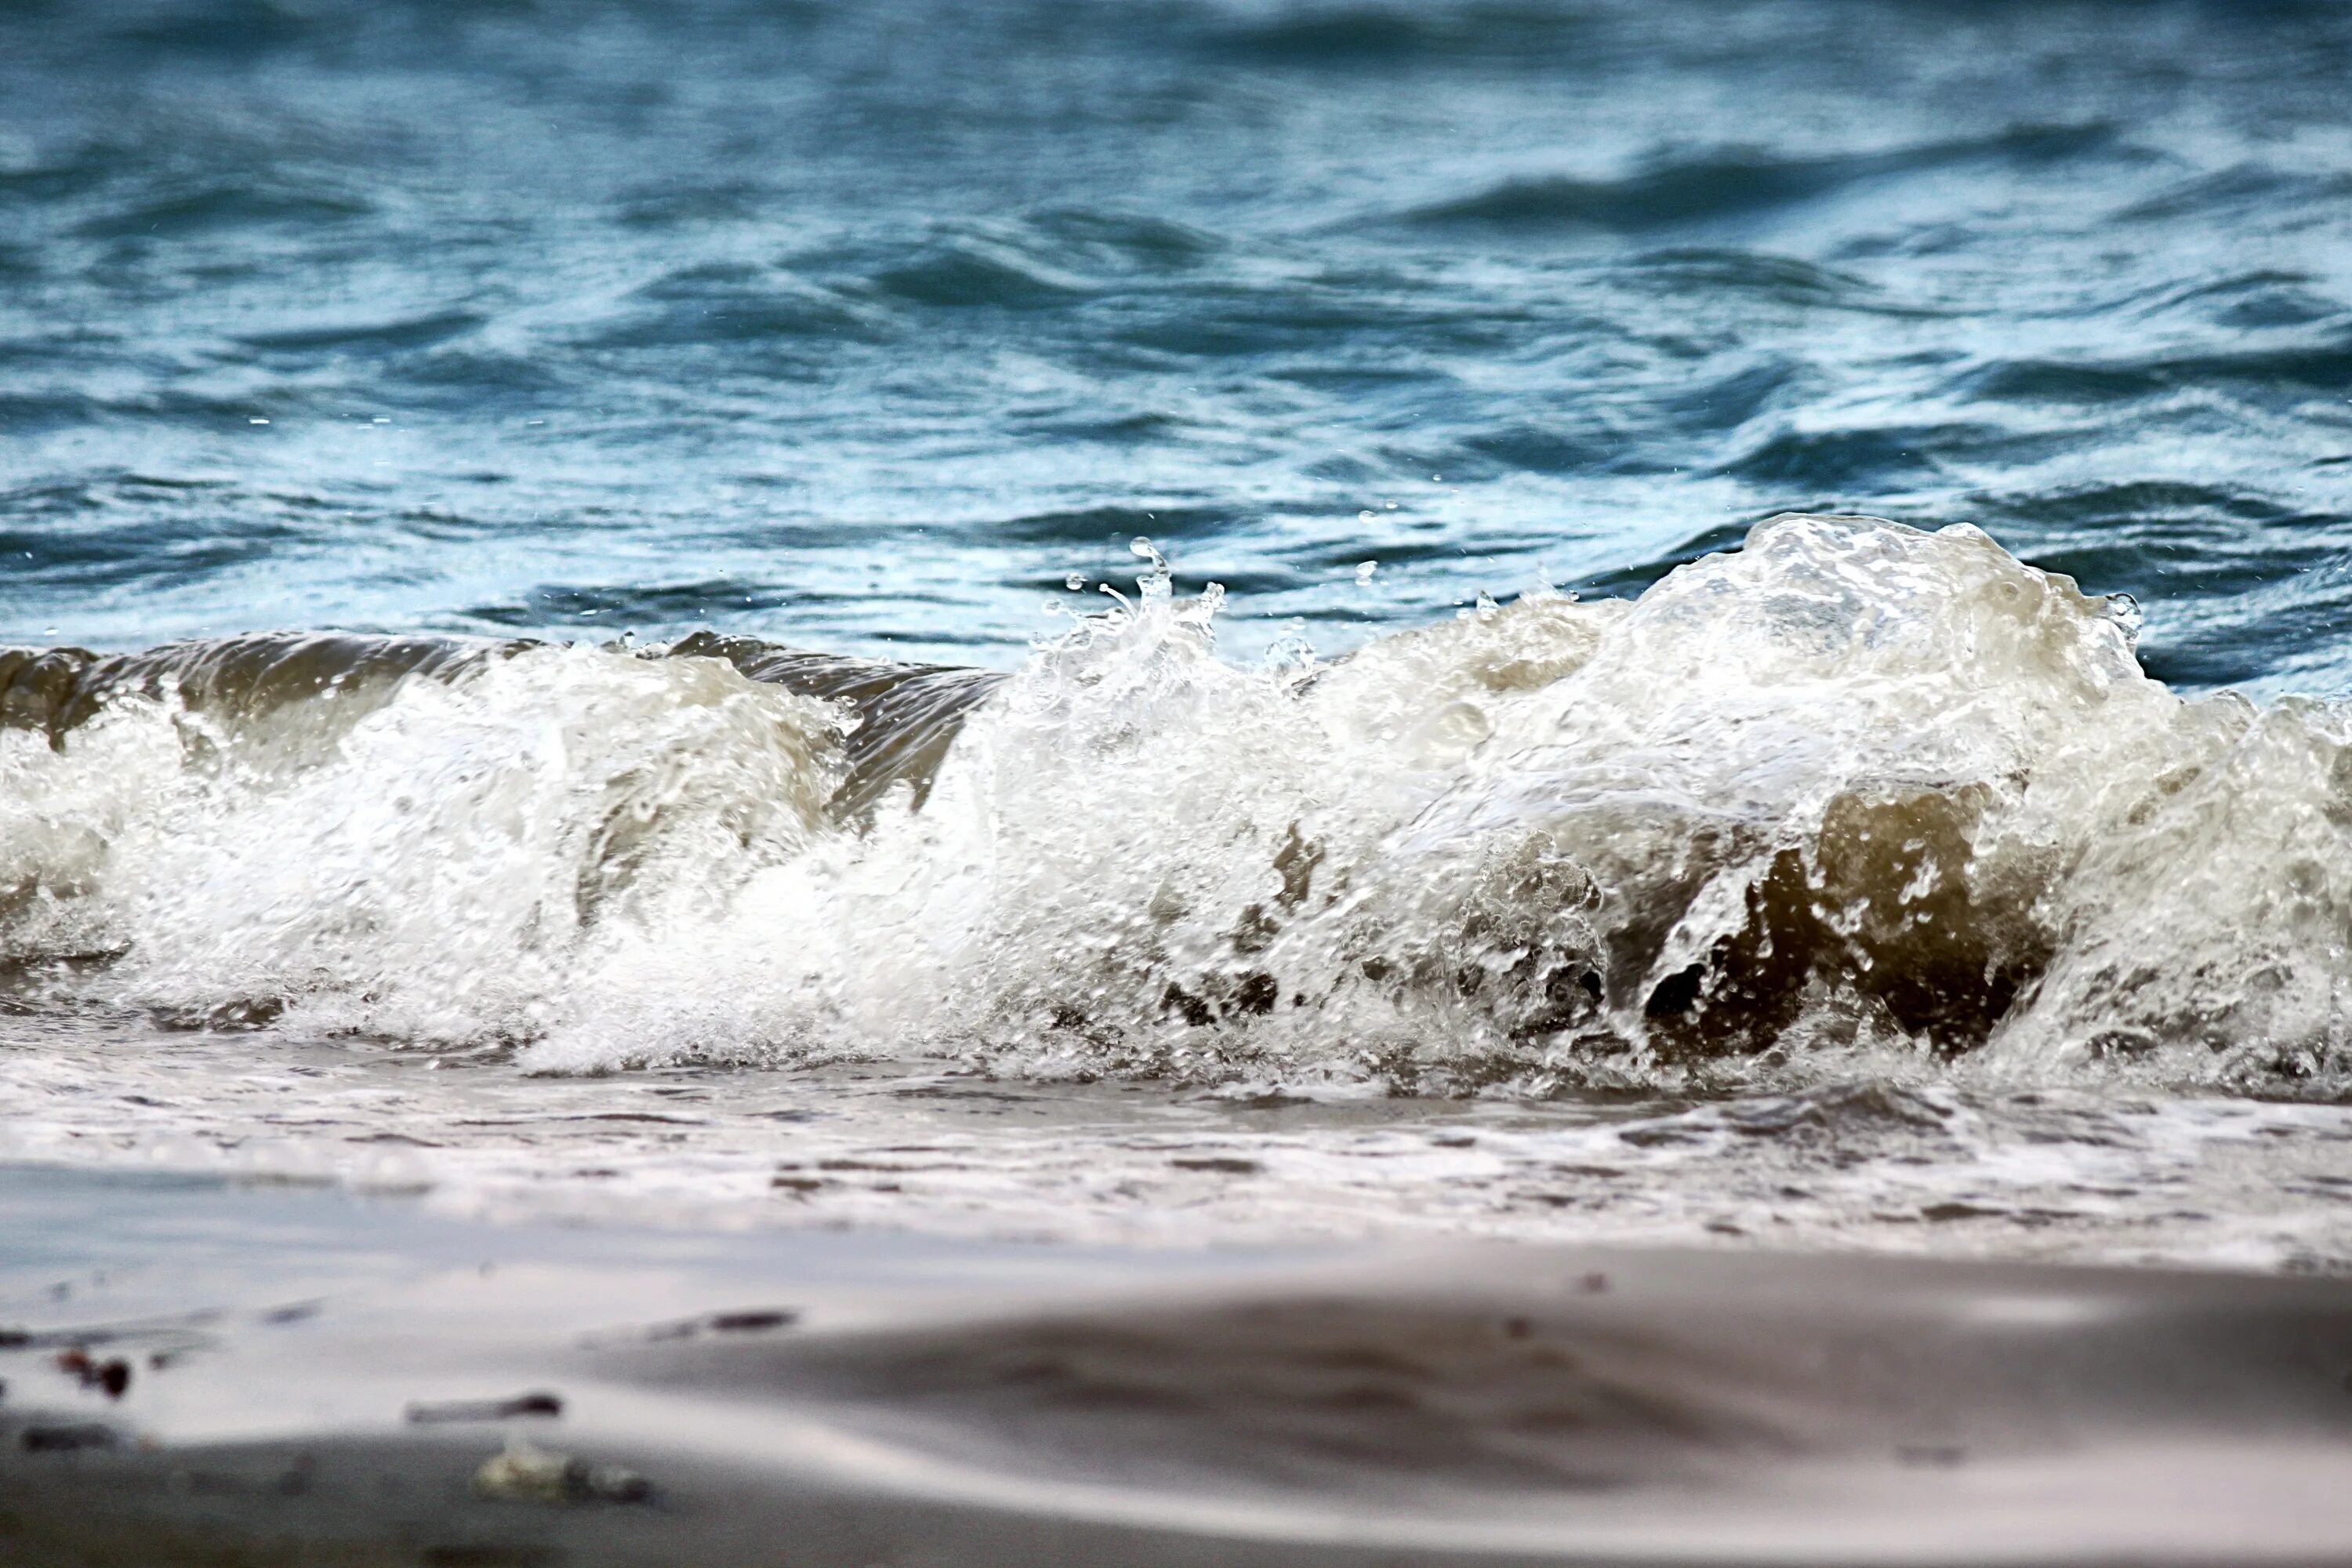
(1854, 793)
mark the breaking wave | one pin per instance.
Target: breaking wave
(1853, 789)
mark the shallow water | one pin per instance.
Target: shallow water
(1925, 1169)
(1895, 887)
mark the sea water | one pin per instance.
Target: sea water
(1699, 622)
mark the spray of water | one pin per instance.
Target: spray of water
(1854, 788)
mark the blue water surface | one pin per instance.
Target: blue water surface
(865, 325)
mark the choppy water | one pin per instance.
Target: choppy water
(861, 326)
(888, 331)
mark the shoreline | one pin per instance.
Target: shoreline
(316, 1377)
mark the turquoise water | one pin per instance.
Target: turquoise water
(864, 326)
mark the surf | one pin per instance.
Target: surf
(1851, 793)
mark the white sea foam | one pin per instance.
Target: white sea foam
(1855, 788)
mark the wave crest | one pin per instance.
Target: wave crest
(1852, 789)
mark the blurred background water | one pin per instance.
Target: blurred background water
(864, 326)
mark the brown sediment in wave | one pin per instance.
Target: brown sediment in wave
(901, 717)
(59, 690)
(905, 716)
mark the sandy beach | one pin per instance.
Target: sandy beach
(354, 1380)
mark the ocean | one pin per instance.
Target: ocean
(1178, 625)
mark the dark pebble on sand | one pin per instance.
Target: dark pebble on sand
(66, 1439)
(535, 1404)
(112, 1376)
(754, 1320)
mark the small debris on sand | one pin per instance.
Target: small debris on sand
(533, 1404)
(755, 1321)
(752, 1323)
(112, 1376)
(67, 1439)
(524, 1472)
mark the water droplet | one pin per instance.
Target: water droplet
(1364, 571)
(1075, 581)
(1366, 515)
(1156, 580)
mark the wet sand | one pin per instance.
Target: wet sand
(200, 1372)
